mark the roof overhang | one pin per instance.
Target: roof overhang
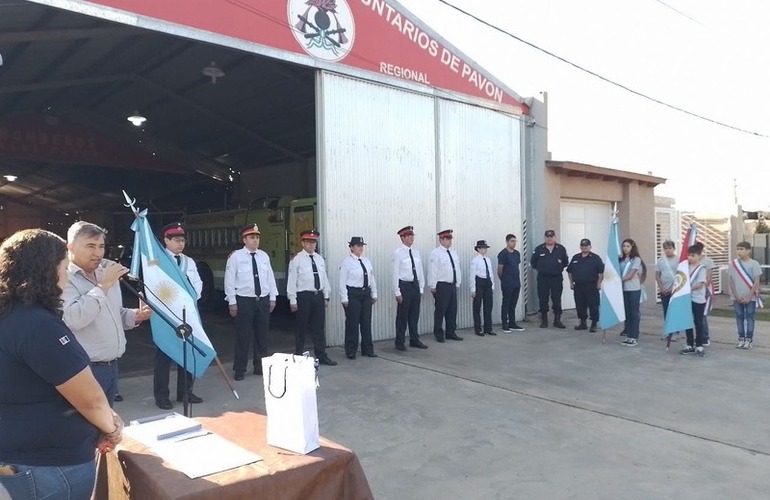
(574, 169)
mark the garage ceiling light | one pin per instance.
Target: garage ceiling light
(10, 178)
(136, 119)
(213, 71)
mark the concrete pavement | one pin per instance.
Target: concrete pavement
(544, 413)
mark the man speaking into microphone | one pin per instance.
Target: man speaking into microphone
(93, 305)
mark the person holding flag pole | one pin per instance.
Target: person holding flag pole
(611, 310)
(679, 314)
(176, 324)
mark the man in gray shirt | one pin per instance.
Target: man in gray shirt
(93, 305)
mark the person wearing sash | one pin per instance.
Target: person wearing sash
(444, 277)
(743, 282)
(698, 297)
(482, 285)
(408, 287)
(173, 237)
(665, 276)
(358, 291)
(630, 270)
(308, 290)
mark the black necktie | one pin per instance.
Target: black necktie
(414, 268)
(255, 270)
(486, 266)
(316, 278)
(366, 275)
(178, 260)
(454, 271)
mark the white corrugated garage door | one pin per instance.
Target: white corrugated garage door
(388, 158)
(582, 219)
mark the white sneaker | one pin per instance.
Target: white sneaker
(700, 351)
(740, 343)
(748, 344)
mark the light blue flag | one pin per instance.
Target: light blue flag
(679, 314)
(611, 309)
(172, 297)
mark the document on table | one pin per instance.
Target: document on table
(186, 446)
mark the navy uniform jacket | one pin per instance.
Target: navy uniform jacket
(549, 263)
(585, 269)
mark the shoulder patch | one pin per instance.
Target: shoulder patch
(64, 340)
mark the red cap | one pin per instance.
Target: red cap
(250, 229)
(406, 231)
(309, 234)
(173, 229)
(446, 233)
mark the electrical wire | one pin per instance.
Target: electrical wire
(604, 78)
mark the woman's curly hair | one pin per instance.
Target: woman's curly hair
(29, 269)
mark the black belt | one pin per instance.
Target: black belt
(359, 288)
(255, 297)
(549, 275)
(104, 363)
(311, 292)
(405, 282)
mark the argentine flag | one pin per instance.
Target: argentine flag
(679, 315)
(611, 310)
(172, 297)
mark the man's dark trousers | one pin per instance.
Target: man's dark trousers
(446, 309)
(408, 311)
(311, 316)
(251, 323)
(587, 297)
(549, 286)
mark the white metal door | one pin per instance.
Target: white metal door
(582, 219)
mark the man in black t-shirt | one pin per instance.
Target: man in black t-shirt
(508, 267)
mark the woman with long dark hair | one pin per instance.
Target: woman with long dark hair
(630, 272)
(53, 413)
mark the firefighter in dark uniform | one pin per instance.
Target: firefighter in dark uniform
(308, 290)
(586, 271)
(549, 260)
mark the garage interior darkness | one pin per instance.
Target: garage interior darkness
(68, 83)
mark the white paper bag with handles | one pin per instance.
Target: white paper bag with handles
(290, 402)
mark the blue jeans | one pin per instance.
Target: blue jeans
(631, 305)
(744, 316)
(107, 376)
(70, 482)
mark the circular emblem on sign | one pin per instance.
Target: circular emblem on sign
(324, 28)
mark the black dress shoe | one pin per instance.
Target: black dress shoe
(191, 398)
(477, 333)
(440, 340)
(454, 337)
(164, 404)
(257, 370)
(327, 361)
(491, 333)
(351, 356)
(118, 398)
(370, 355)
(238, 376)
(401, 347)
(417, 344)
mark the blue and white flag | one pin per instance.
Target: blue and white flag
(172, 297)
(611, 309)
(679, 314)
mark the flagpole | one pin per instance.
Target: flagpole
(227, 379)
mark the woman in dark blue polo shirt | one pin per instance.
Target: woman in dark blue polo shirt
(53, 413)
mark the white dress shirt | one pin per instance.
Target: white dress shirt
(352, 275)
(440, 267)
(189, 269)
(477, 269)
(402, 268)
(239, 276)
(300, 277)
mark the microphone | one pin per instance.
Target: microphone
(107, 262)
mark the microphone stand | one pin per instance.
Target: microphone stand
(183, 331)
